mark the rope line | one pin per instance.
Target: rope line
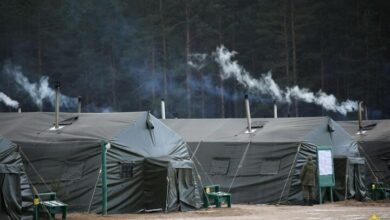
(35, 170)
(289, 174)
(241, 162)
(197, 172)
(196, 150)
(201, 166)
(94, 189)
(35, 191)
(369, 161)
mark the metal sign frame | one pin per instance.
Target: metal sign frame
(327, 180)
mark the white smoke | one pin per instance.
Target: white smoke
(38, 91)
(197, 60)
(8, 101)
(266, 85)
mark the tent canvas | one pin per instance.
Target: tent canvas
(264, 166)
(375, 145)
(68, 160)
(14, 187)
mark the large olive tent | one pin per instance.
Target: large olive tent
(14, 187)
(148, 165)
(374, 140)
(264, 166)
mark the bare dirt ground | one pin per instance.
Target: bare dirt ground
(339, 210)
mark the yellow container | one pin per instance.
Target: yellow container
(36, 201)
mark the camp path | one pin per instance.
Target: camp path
(340, 210)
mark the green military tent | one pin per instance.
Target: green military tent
(264, 166)
(148, 165)
(14, 187)
(374, 139)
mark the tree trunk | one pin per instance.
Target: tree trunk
(286, 49)
(294, 53)
(164, 50)
(221, 84)
(367, 60)
(113, 77)
(203, 102)
(39, 54)
(153, 70)
(322, 70)
(188, 51)
(40, 60)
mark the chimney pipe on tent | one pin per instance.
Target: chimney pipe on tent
(248, 114)
(365, 112)
(360, 106)
(79, 99)
(275, 110)
(162, 108)
(57, 106)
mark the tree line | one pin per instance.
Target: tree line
(125, 55)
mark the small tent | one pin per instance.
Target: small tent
(14, 187)
(147, 164)
(264, 166)
(374, 140)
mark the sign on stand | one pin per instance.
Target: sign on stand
(325, 170)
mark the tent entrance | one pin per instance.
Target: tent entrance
(185, 188)
(155, 187)
(169, 186)
(349, 178)
(341, 178)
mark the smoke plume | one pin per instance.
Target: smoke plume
(265, 85)
(8, 101)
(38, 91)
(197, 60)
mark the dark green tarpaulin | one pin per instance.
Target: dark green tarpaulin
(375, 146)
(264, 166)
(14, 188)
(142, 163)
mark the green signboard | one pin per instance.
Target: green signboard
(325, 169)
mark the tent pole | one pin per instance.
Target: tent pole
(104, 179)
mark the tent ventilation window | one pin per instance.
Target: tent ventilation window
(219, 166)
(254, 167)
(270, 167)
(258, 124)
(72, 171)
(126, 170)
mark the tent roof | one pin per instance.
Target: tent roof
(34, 126)
(5, 146)
(375, 130)
(279, 130)
(127, 130)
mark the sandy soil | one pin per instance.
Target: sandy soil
(340, 210)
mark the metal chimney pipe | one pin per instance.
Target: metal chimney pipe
(248, 113)
(57, 107)
(79, 104)
(360, 106)
(365, 112)
(275, 110)
(162, 109)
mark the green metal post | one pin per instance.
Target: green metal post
(331, 194)
(104, 179)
